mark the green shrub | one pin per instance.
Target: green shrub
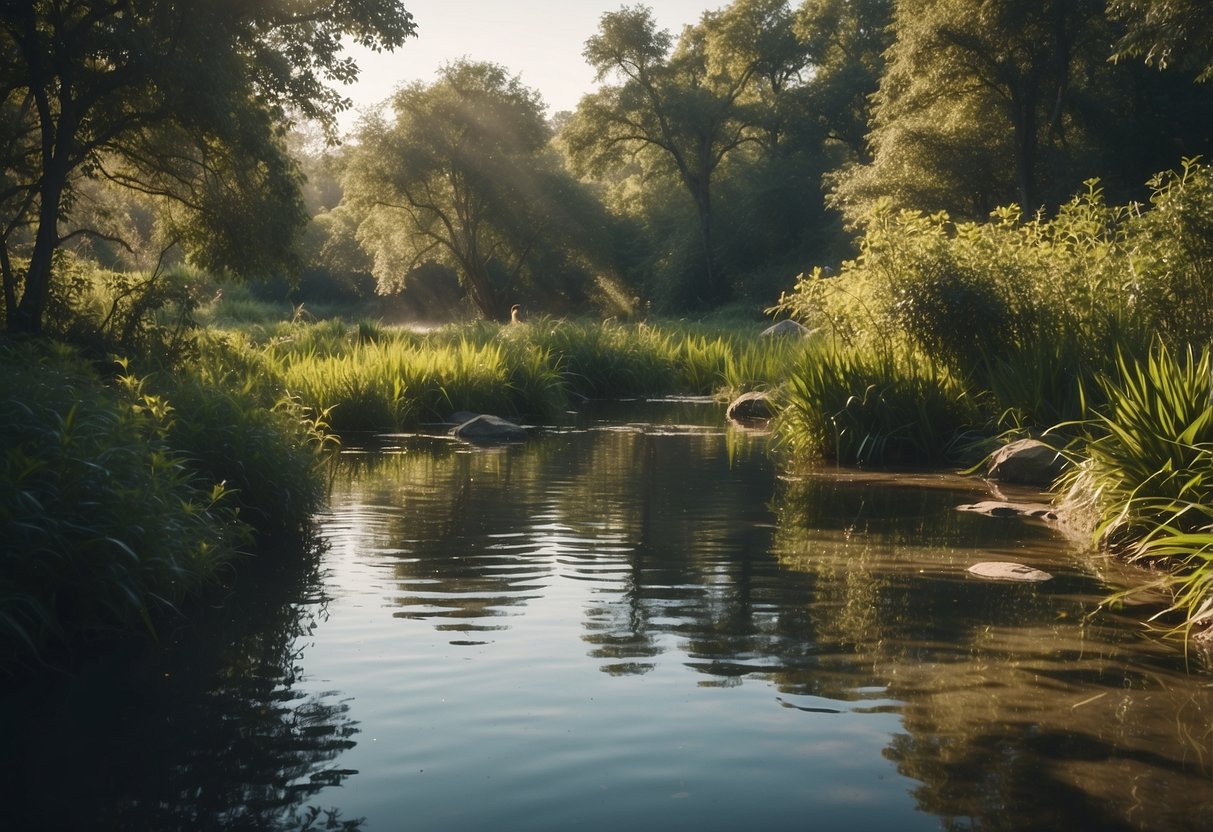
(271, 459)
(1170, 256)
(104, 524)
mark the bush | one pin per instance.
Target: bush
(857, 407)
(104, 524)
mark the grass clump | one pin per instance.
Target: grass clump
(854, 407)
(1144, 480)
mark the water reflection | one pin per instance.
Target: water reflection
(656, 519)
(204, 731)
(1023, 706)
(1019, 706)
(631, 619)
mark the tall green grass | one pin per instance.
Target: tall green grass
(1144, 480)
(369, 376)
(854, 407)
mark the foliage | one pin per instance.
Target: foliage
(180, 101)
(846, 42)
(271, 458)
(984, 104)
(462, 179)
(1167, 33)
(680, 110)
(1145, 476)
(858, 407)
(105, 525)
(1031, 310)
(1171, 255)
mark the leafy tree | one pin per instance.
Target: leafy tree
(1016, 100)
(814, 119)
(180, 100)
(845, 41)
(682, 109)
(463, 177)
(967, 87)
(1168, 33)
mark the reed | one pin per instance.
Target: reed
(390, 383)
(1144, 478)
(854, 407)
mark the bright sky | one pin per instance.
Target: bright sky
(539, 40)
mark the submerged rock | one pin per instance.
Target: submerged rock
(998, 508)
(751, 409)
(486, 428)
(998, 570)
(1026, 461)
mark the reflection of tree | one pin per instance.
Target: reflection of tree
(649, 515)
(204, 731)
(1007, 699)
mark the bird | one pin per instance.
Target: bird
(515, 314)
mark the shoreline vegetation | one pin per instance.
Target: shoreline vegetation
(169, 168)
(132, 485)
(130, 495)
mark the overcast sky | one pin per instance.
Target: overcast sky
(539, 40)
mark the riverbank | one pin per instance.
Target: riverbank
(235, 438)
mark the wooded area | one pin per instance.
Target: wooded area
(709, 165)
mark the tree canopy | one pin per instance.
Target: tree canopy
(709, 159)
(183, 101)
(685, 110)
(1016, 101)
(462, 177)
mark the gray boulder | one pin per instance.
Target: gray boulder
(486, 428)
(1027, 461)
(788, 327)
(751, 409)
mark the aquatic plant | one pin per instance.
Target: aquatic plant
(855, 407)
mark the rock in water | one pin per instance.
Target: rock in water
(486, 428)
(998, 508)
(1028, 461)
(1005, 571)
(751, 409)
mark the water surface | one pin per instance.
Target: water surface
(632, 621)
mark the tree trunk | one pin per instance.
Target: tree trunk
(27, 317)
(484, 294)
(717, 290)
(1025, 153)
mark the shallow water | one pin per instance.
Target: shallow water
(631, 621)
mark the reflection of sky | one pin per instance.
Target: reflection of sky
(537, 665)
